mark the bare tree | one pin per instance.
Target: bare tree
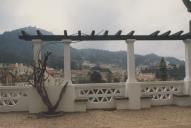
(39, 79)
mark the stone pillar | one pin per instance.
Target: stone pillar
(68, 101)
(187, 66)
(36, 50)
(67, 62)
(130, 61)
(133, 89)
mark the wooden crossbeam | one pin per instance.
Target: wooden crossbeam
(187, 34)
(118, 33)
(178, 33)
(79, 33)
(106, 33)
(155, 33)
(38, 32)
(92, 37)
(24, 33)
(93, 33)
(131, 33)
(166, 33)
(65, 33)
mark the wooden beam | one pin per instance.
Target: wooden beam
(155, 33)
(93, 37)
(187, 34)
(131, 33)
(24, 33)
(178, 33)
(118, 33)
(106, 33)
(38, 32)
(166, 33)
(79, 33)
(93, 33)
(65, 33)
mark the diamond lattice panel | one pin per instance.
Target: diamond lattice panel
(160, 92)
(99, 95)
(10, 98)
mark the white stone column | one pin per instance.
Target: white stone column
(68, 102)
(187, 66)
(67, 62)
(36, 50)
(130, 61)
(133, 89)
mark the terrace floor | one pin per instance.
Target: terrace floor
(156, 117)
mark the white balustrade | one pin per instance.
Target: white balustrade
(162, 91)
(100, 95)
(13, 98)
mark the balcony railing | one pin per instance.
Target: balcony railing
(162, 91)
(13, 98)
(99, 95)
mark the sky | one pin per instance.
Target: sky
(143, 16)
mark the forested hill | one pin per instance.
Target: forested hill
(13, 50)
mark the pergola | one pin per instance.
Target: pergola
(180, 35)
(130, 38)
(133, 91)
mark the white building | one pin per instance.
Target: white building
(20, 69)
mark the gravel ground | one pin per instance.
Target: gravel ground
(156, 117)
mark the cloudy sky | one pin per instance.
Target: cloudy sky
(143, 16)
